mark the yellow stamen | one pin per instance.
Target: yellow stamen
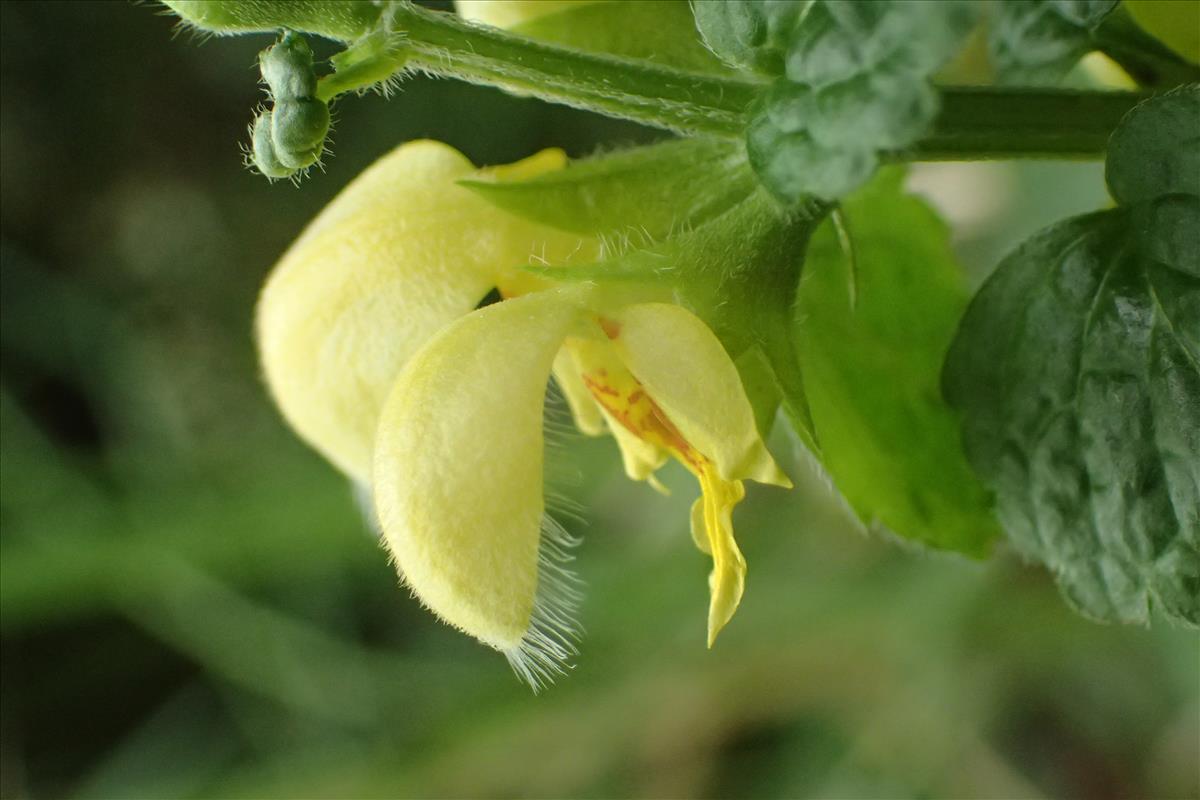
(627, 403)
(727, 581)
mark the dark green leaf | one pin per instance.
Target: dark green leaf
(1156, 149)
(654, 191)
(1077, 369)
(871, 369)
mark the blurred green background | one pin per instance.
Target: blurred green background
(193, 606)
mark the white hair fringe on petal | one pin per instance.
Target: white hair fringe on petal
(546, 649)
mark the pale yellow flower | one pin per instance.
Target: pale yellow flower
(373, 349)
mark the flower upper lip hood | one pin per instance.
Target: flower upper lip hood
(398, 254)
(375, 352)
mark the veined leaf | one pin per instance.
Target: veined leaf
(1156, 149)
(871, 370)
(1077, 369)
(651, 191)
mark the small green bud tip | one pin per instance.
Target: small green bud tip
(262, 150)
(287, 67)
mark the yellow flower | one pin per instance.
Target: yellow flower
(373, 351)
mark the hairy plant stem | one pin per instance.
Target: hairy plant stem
(445, 45)
(974, 123)
(986, 123)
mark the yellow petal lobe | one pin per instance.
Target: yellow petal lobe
(458, 466)
(609, 385)
(638, 421)
(584, 411)
(683, 366)
(727, 580)
(401, 252)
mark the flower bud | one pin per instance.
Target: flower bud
(262, 150)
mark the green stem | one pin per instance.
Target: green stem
(985, 123)
(974, 123)
(445, 45)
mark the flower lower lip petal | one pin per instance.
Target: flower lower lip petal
(458, 479)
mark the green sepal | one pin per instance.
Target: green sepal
(739, 273)
(871, 370)
(1077, 370)
(651, 192)
(373, 61)
(662, 31)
